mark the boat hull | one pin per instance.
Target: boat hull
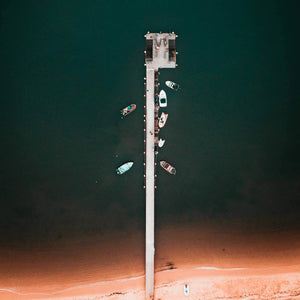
(124, 168)
(169, 168)
(172, 85)
(161, 143)
(162, 98)
(128, 109)
(162, 120)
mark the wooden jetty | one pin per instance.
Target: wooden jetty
(160, 53)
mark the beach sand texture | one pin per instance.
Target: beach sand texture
(215, 264)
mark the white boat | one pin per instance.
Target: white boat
(162, 120)
(186, 289)
(161, 143)
(162, 98)
(124, 168)
(172, 85)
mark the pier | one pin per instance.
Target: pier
(160, 53)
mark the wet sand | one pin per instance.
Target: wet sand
(210, 283)
(216, 263)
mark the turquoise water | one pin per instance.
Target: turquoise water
(69, 67)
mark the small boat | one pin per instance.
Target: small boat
(168, 167)
(162, 120)
(186, 289)
(128, 109)
(161, 143)
(162, 98)
(172, 85)
(124, 168)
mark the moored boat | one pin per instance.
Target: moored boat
(162, 97)
(168, 167)
(172, 85)
(128, 109)
(124, 168)
(162, 120)
(161, 142)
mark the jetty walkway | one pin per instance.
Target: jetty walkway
(160, 52)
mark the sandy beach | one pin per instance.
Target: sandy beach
(215, 264)
(203, 282)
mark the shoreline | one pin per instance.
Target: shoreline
(100, 266)
(204, 281)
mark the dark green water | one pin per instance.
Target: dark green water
(67, 68)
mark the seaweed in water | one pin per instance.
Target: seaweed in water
(116, 293)
(170, 265)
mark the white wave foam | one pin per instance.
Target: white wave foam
(219, 269)
(13, 291)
